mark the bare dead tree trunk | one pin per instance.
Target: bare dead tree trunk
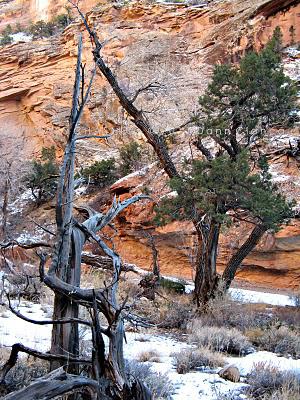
(237, 259)
(206, 271)
(63, 277)
(65, 338)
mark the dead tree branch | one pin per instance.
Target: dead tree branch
(59, 383)
(20, 348)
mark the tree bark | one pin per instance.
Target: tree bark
(65, 338)
(236, 260)
(5, 209)
(206, 272)
(59, 383)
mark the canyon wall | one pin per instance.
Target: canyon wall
(176, 45)
(26, 11)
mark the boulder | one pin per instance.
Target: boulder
(230, 373)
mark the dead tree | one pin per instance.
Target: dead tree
(107, 376)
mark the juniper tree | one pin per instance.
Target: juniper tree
(42, 177)
(239, 106)
(206, 277)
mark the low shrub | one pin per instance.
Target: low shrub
(222, 311)
(150, 355)
(130, 158)
(6, 39)
(280, 340)
(295, 297)
(176, 315)
(159, 384)
(288, 316)
(255, 335)
(42, 29)
(220, 339)
(42, 177)
(266, 382)
(101, 173)
(171, 285)
(190, 359)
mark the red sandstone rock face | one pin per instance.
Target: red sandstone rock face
(173, 44)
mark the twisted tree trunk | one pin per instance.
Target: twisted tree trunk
(236, 260)
(206, 272)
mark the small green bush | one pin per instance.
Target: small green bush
(18, 28)
(61, 21)
(42, 29)
(7, 30)
(6, 39)
(130, 158)
(171, 285)
(101, 173)
(42, 177)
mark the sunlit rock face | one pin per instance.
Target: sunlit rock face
(173, 44)
(26, 11)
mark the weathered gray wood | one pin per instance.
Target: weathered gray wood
(20, 348)
(58, 384)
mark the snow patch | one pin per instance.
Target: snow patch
(247, 363)
(170, 195)
(21, 37)
(141, 172)
(15, 330)
(21, 202)
(251, 296)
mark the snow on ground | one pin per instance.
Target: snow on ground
(15, 330)
(21, 202)
(202, 384)
(194, 385)
(140, 173)
(21, 37)
(246, 364)
(251, 296)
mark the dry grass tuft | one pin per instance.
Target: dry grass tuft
(268, 383)
(190, 359)
(280, 340)
(150, 355)
(160, 385)
(220, 339)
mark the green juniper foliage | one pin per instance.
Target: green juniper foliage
(238, 107)
(244, 101)
(42, 29)
(221, 185)
(101, 173)
(6, 37)
(42, 178)
(130, 157)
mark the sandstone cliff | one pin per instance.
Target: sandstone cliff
(173, 44)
